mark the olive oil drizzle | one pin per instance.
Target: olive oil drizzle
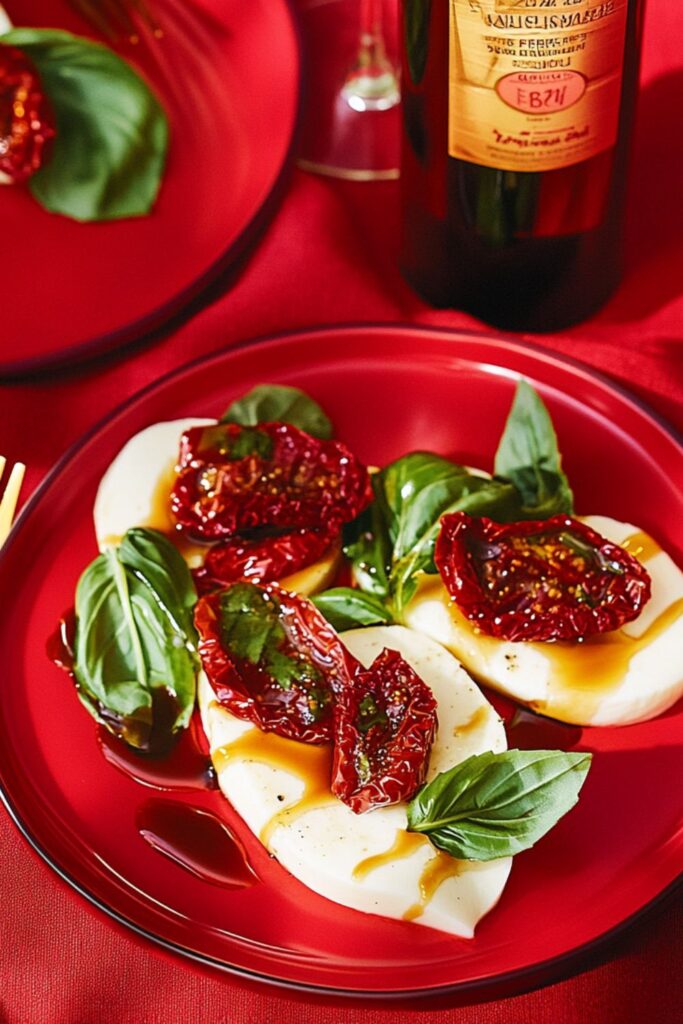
(583, 672)
(641, 546)
(438, 868)
(475, 720)
(405, 845)
(310, 764)
(434, 874)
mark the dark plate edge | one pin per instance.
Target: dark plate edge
(511, 983)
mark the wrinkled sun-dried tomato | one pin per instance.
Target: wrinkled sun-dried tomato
(385, 722)
(27, 124)
(234, 479)
(263, 559)
(554, 579)
(272, 658)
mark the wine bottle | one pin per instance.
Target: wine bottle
(517, 117)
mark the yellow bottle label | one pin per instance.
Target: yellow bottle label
(534, 84)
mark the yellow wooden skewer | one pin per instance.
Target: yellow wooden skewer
(10, 497)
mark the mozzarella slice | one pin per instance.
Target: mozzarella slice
(368, 862)
(612, 679)
(136, 489)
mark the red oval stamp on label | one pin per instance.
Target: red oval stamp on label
(541, 92)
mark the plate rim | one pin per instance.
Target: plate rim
(515, 981)
(172, 313)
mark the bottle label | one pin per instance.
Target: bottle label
(534, 84)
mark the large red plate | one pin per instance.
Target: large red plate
(388, 389)
(228, 74)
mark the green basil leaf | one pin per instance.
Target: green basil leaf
(496, 805)
(112, 133)
(528, 457)
(368, 546)
(346, 608)
(393, 540)
(251, 629)
(279, 403)
(419, 489)
(158, 563)
(416, 15)
(250, 621)
(135, 659)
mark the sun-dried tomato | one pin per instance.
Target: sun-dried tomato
(385, 722)
(272, 658)
(234, 479)
(262, 559)
(27, 124)
(554, 579)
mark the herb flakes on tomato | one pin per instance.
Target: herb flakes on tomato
(552, 579)
(233, 479)
(271, 658)
(385, 723)
(27, 124)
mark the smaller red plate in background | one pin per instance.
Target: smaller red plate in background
(227, 73)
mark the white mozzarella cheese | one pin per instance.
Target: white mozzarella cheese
(136, 487)
(613, 679)
(368, 862)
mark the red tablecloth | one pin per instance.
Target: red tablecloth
(329, 257)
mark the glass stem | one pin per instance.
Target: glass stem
(371, 23)
(372, 82)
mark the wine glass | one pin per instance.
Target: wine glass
(351, 125)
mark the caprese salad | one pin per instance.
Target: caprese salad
(328, 621)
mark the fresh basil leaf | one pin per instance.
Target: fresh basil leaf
(135, 660)
(112, 133)
(416, 15)
(250, 621)
(252, 630)
(418, 490)
(496, 805)
(368, 546)
(393, 541)
(157, 562)
(279, 403)
(415, 488)
(346, 608)
(457, 490)
(528, 457)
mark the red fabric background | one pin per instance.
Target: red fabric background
(329, 257)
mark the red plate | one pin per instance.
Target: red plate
(228, 74)
(388, 390)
